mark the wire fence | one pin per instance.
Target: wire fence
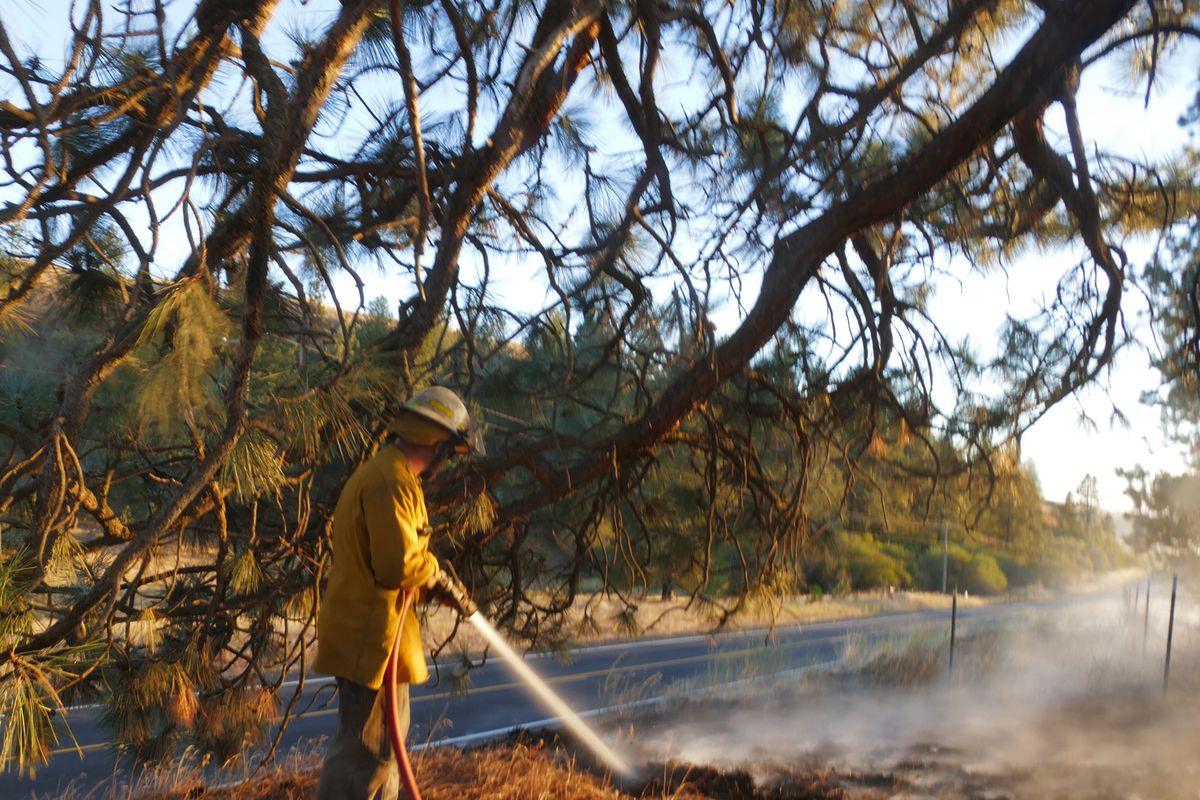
(1137, 601)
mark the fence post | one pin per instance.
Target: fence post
(953, 626)
(1170, 633)
(1146, 623)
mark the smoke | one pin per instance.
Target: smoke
(1060, 703)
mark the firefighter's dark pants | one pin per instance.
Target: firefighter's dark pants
(359, 764)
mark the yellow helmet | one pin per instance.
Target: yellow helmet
(448, 415)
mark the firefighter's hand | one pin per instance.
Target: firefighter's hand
(450, 592)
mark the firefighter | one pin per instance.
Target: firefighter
(380, 551)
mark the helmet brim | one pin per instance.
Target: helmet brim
(471, 442)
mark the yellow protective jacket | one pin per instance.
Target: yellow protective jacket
(380, 547)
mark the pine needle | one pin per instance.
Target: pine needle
(245, 574)
(255, 467)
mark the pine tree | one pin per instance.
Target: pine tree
(190, 366)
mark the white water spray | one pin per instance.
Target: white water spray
(548, 697)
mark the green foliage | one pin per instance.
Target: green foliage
(94, 292)
(255, 467)
(972, 572)
(30, 703)
(333, 416)
(871, 564)
(35, 717)
(245, 574)
(14, 317)
(475, 516)
(984, 575)
(1022, 571)
(27, 695)
(181, 340)
(66, 556)
(1166, 517)
(18, 574)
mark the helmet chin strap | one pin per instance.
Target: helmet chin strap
(442, 452)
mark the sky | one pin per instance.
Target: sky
(1079, 436)
(1062, 446)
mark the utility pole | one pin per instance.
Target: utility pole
(945, 553)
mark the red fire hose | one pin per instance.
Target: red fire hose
(393, 716)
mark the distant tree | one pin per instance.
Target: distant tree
(1166, 517)
(1088, 493)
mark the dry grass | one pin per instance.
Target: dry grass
(520, 771)
(535, 770)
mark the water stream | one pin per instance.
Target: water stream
(551, 700)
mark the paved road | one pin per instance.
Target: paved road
(591, 679)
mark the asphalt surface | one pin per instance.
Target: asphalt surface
(592, 680)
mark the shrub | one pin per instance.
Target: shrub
(984, 576)
(869, 565)
(824, 573)
(929, 568)
(1020, 572)
(978, 573)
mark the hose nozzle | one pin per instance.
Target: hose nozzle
(449, 590)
